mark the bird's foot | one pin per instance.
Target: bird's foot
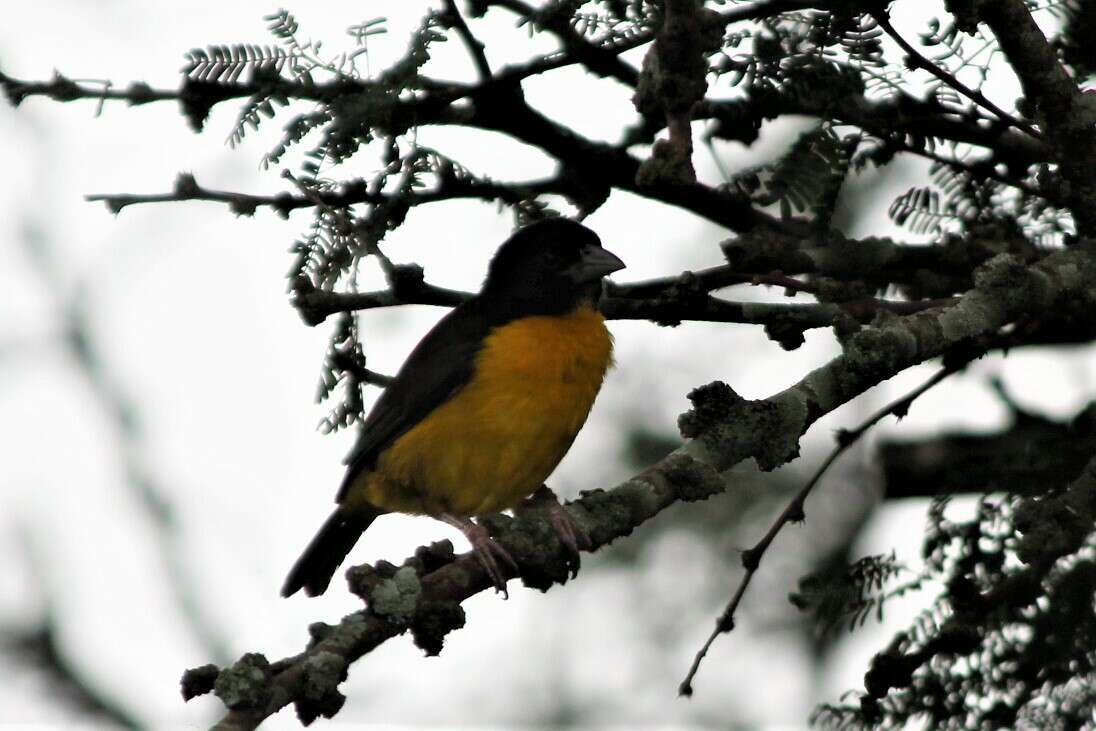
(487, 550)
(572, 535)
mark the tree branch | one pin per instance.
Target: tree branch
(604, 164)
(315, 305)
(1034, 454)
(723, 429)
(794, 513)
(937, 270)
(600, 164)
(587, 166)
(475, 47)
(881, 117)
(1067, 115)
(347, 194)
(424, 595)
(918, 60)
(784, 323)
(673, 305)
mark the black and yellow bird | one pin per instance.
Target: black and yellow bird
(486, 405)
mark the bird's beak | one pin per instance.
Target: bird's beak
(595, 263)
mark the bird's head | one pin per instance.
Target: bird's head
(549, 267)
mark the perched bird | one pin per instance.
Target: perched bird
(485, 406)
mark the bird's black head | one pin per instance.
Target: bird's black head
(549, 267)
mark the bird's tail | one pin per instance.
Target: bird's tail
(316, 566)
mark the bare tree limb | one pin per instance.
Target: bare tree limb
(794, 513)
(347, 194)
(475, 46)
(786, 322)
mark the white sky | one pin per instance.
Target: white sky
(189, 307)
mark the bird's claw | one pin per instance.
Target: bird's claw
(572, 535)
(488, 551)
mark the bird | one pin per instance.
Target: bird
(485, 406)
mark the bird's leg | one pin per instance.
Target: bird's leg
(485, 548)
(572, 535)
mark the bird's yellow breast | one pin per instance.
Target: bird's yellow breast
(498, 438)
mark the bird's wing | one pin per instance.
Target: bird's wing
(440, 365)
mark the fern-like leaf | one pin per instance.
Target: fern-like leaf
(919, 208)
(344, 358)
(807, 177)
(282, 25)
(225, 64)
(851, 595)
(252, 114)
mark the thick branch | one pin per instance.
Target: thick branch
(731, 429)
(927, 271)
(420, 597)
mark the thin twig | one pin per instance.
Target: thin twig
(751, 559)
(474, 45)
(348, 193)
(975, 96)
(600, 59)
(315, 304)
(344, 362)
